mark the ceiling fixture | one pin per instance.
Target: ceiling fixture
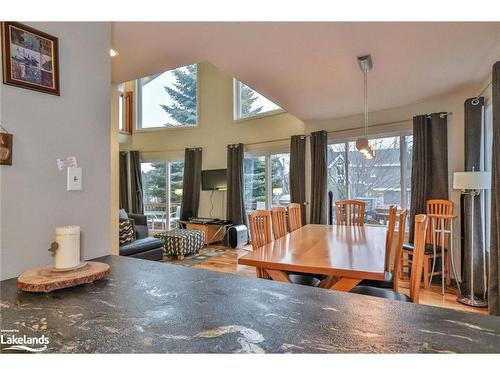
(113, 53)
(366, 65)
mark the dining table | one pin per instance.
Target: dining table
(345, 255)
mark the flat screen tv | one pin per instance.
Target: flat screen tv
(214, 179)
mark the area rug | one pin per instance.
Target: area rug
(193, 259)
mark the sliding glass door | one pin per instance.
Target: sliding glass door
(267, 181)
(162, 193)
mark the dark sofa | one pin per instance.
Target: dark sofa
(143, 247)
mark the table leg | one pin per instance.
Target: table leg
(442, 257)
(345, 284)
(278, 276)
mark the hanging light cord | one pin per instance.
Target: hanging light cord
(366, 102)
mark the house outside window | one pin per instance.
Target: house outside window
(249, 103)
(379, 182)
(168, 99)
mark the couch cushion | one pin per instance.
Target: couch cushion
(126, 232)
(141, 245)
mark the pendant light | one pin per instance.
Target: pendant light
(362, 144)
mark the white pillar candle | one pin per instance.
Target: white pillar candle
(67, 254)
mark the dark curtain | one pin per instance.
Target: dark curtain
(494, 277)
(136, 183)
(298, 172)
(123, 181)
(429, 174)
(473, 136)
(235, 210)
(319, 144)
(191, 183)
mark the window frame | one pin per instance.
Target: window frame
(125, 116)
(138, 105)
(402, 159)
(237, 106)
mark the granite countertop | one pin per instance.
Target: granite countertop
(150, 307)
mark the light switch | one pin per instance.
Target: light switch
(74, 179)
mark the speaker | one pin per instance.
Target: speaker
(237, 236)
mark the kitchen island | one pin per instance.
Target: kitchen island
(151, 307)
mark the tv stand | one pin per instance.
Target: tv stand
(214, 231)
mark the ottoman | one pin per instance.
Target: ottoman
(182, 242)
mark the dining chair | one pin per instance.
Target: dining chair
(294, 216)
(260, 235)
(350, 212)
(278, 218)
(260, 228)
(421, 222)
(391, 224)
(391, 278)
(433, 207)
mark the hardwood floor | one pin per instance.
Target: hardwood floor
(228, 262)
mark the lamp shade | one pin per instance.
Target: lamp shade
(471, 180)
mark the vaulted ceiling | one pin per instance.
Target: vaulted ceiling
(310, 69)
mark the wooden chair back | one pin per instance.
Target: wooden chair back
(438, 207)
(294, 216)
(278, 217)
(421, 222)
(399, 249)
(391, 224)
(260, 228)
(350, 212)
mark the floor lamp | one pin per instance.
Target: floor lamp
(471, 184)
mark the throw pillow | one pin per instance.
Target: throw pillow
(123, 214)
(126, 232)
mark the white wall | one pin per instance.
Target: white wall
(34, 199)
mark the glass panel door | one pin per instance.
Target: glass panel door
(154, 180)
(254, 169)
(280, 180)
(175, 181)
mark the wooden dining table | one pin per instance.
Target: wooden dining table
(346, 255)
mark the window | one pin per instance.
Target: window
(380, 182)
(125, 112)
(267, 181)
(162, 197)
(168, 99)
(249, 103)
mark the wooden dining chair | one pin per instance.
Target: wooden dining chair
(433, 207)
(260, 228)
(391, 225)
(421, 222)
(294, 216)
(391, 278)
(350, 212)
(260, 235)
(278, 218)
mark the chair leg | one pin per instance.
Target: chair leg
(447, 268)
(426, 272)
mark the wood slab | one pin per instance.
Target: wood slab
(45, 279)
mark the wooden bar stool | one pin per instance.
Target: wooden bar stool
(434, 241)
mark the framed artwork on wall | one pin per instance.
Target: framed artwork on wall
(30, 58)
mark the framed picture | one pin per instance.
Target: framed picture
(30, 58)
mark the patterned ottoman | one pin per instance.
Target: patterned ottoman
(182, 242)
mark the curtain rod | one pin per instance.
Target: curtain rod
(307, 135)
(342, 130)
